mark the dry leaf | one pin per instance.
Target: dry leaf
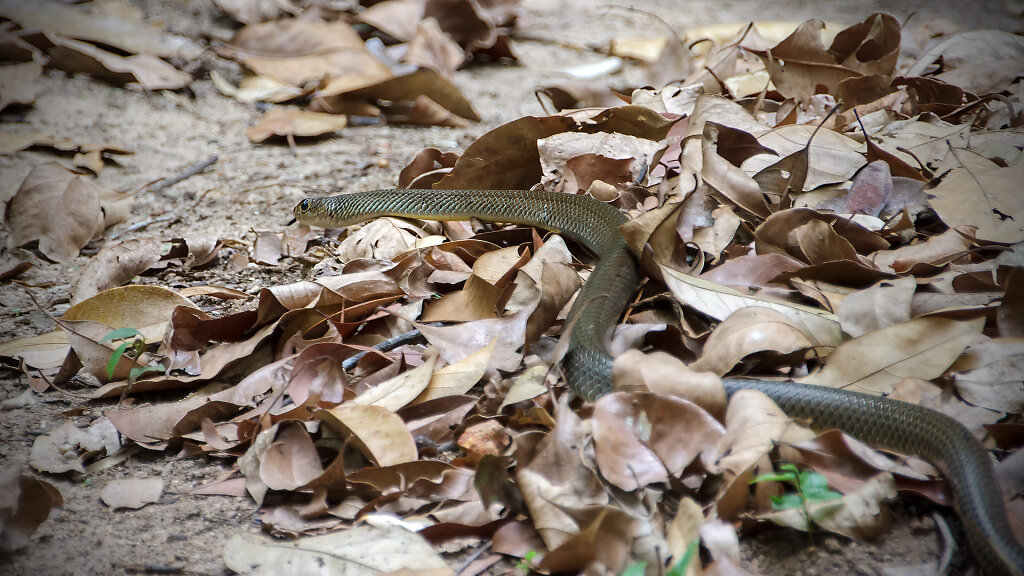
(132, 493)
(57, 208)
(290, 122)
(920, 348)
(378, 433)
(718, 301)
(357, 551)
(26, 504)
(980, 193)
(747, 331)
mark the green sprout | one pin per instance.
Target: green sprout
(523, 565)
(134, 342)
(680, 568)
(811, 488)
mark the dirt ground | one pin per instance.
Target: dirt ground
(253, 187)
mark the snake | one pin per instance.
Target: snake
(882, 422)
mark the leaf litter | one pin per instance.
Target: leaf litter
(877, 250)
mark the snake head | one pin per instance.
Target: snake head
(302, 208)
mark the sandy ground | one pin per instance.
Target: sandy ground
(254, 187)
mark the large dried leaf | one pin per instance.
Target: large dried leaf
(300, 51)
(921, 348)
(983, 194)
(990, 374)
(748, 331)
(133, 493)
(381, 435)
(290, 123)
(145, 70)
(979, 61)
(57, 208)
(556, 480)
(636, 437)
(719, 302)
(25, 504)
(74, 22)
(359, 551)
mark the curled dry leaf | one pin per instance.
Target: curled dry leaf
(58, 450)
(873, 363)
(45, 351)
(989, 374)
(26, 504)
(144, 70)
(636, 437)
(458, 378)
(299, 51)
(116, 264)
(402, 389)
(132, 493)
(57, 208)
(662, 373)
(561, 159)
(127, 34)
(291, 461)
(979, 61)
(556, 480)
(718, 301)
(376, 431)
(145, 308)
(747, 331)
(457, 342)
(359, 551)
(884, 304)
(753, 426)
(256, 89)
(406, 88)
(291, 122)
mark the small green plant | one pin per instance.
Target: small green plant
(682, 566)
(134, 342)
(635, 569)
(811, 488)
(523, 565)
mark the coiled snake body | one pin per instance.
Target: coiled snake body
(879, 421)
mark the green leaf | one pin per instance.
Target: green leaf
(115, 357)
(679, 568)
(121, 333)
(636, 569)
(787, 501)
(776, 477)
(134, 374)
(815, 487)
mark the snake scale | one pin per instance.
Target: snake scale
(885, 423)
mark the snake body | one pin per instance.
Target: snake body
(885, 423)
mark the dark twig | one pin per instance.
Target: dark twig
(169, 181)
(139, 226)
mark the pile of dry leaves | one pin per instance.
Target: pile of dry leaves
(834, 215)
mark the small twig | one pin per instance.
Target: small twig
(473, 557)
(169, 181)
(140, 226)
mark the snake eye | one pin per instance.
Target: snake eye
(304, 205)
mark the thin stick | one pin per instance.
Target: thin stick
(169, 181)
(139, 226)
